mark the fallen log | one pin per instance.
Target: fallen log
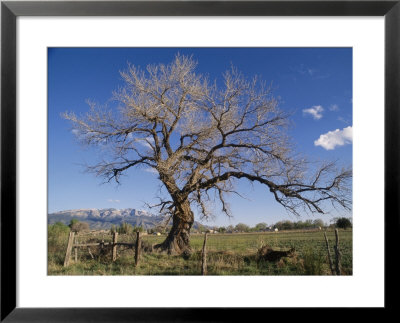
(268, 254)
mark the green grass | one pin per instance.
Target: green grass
(227, 254)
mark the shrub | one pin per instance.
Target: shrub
(58, 227)
(221, 229)
(79, 226)
(260, 226)
(72, 222)
(241, 227)
(313, 262)
(57, 242)
(343, 223)
(126, 228)
(138, 229)
(113, 229)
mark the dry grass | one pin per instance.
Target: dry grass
(228, 254)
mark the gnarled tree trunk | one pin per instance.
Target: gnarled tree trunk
(178, 239)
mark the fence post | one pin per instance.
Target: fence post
(114, 249)
(137, 249)
(338, 254)
(204, 257)
(329, 255)
(69, 248)
(90, 253)
(76, 248)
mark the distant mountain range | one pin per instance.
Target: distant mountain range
(99, 219)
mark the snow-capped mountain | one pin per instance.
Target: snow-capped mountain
(105, 218)
(104, 213)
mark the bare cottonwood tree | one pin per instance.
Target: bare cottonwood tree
(201, 137)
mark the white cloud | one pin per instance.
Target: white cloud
(113, 201)
(343, 120)
(151, 170)
(145, 142)
(334, 107)
(311, 71)
(315, 111)
(331, 139)
(314, 73)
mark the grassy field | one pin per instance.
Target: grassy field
(227, 254)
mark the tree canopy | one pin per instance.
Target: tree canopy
(201, 136)
(343, 223)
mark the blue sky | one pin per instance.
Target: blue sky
(314, 83)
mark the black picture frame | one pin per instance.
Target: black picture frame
(10, 10)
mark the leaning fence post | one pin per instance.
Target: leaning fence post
(76, 253)
(329, 255)
(90, 253)
(114, 249)
(204, 257)
(69, 248)
(338, 254)
(138, 247)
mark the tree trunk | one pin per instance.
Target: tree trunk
(178, 239)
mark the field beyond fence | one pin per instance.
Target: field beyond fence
(227, 254)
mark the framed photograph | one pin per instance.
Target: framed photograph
(186, 101)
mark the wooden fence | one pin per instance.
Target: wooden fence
(74, 245)
(336, 268)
